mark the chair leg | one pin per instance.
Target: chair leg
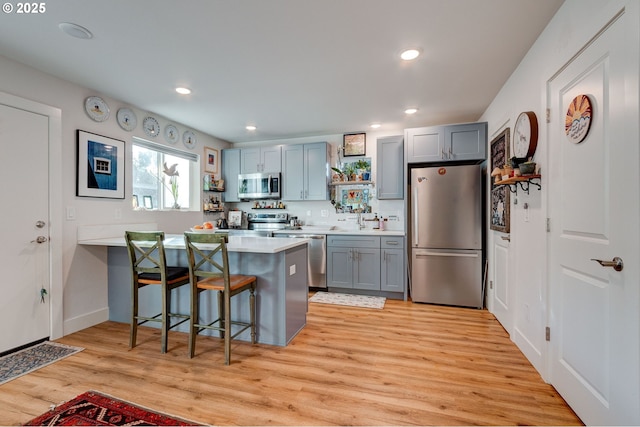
(227, 329)
(193, 322)
(166, 302)
(134, 316)
(252, 307)
(221, 315)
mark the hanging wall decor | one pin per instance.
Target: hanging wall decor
(578, 119)
(500, 195)
(354, 144)
(100, 166)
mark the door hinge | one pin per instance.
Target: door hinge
(548, 225)
(490, 284)
(547, 333)
(548, 115)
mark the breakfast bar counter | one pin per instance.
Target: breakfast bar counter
(280, 266)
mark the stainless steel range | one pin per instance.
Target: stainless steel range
(264, 223)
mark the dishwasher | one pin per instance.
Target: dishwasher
(316, 259)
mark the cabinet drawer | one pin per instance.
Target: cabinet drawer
(392, 242)
(354, 241)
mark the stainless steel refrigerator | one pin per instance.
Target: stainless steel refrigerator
(446, 235)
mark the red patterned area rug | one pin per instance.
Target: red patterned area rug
(96, 409)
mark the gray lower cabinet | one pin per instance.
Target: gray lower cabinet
(230, 171)
(366, 263)
(392, 264)
(459, 142)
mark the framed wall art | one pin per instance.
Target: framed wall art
(500, 208)
(500, 194)
(210, 160)
(100, 166)
(354, 144)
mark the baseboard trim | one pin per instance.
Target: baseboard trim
(84, 321)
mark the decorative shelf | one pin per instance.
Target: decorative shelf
(523, 181)
(214, 210)
(268, 209)
(215, 190)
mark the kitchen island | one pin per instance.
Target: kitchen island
(280, 266)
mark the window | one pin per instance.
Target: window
(163, 177)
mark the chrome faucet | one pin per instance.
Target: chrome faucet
(359, 220)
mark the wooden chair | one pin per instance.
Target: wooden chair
(149, 267)
(207, 273)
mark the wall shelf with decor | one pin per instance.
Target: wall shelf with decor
(523, 181)
(352, 183)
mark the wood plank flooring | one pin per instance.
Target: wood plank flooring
(409, 364)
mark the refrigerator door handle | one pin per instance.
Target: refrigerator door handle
(415, 223)
(447, 254)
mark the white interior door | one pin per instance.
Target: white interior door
(24, 150)
(593, 207)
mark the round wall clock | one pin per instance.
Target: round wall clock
(578, 119)
(96, 108)
(151, 126)
(525, 135)
(127, 119)
(171, 134)
(189, 139)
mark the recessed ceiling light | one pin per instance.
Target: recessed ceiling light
(251, 127)
(410, 54)
(411, 110)
(376, 125)
(75, 30)
(183, 90)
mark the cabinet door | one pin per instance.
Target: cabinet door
(230, 171)
(366, 273)
(293, 172)
(466, 141)
(250, 160)
(340, 267)
(271, 159)
(316, 172)
(392, 270)
(425, 144)
(390, 170)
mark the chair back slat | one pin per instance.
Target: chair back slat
(146, 251)
(205, 251)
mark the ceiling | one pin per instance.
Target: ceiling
(292, 68)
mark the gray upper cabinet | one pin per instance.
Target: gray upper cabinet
(457, 142)
(260, 159)
(230, 171)
(305, 173)
(389, 171)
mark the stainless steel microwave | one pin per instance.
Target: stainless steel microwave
(256, 186)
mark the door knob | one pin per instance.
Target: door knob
(40, 239)
(615, 263)
(40, 224)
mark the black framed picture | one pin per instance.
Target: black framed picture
(354, 144)
(500, 194)
(100, 166)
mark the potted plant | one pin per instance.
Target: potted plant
(364, 169)
(338, 175)
(350, 171)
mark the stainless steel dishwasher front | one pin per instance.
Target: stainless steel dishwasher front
(317, 258)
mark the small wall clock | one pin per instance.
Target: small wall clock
(151, 126)
(96, 108)
(171, 134)
(127, 119)
(189, 139)
(525, 135)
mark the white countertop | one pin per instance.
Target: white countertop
(340, 231)
(264, 245)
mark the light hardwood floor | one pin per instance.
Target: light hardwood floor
(409, 364)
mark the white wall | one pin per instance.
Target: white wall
(85, 268)
(576, 22)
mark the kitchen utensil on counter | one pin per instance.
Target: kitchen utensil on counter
(222, 224)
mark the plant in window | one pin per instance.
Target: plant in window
(172, 173)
